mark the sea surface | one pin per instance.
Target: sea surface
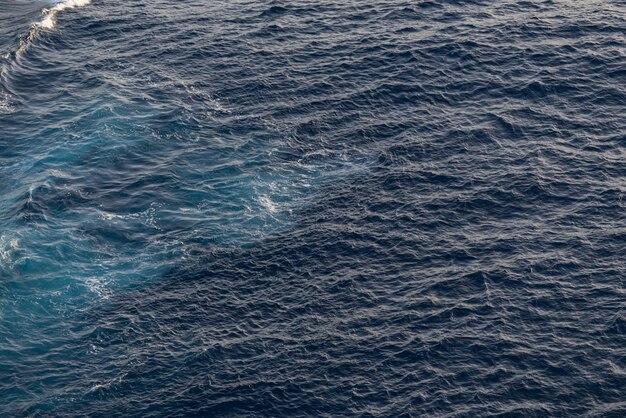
(313, 208)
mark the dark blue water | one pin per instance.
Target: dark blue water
(295, 208)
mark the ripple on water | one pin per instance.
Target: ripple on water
(291, 208)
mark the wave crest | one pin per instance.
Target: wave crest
(49, 15)
(48, 22)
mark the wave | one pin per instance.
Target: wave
(49, 15)
(48, 22)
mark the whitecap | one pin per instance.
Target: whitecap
(48, 22)
(50, 15)
(8, 246)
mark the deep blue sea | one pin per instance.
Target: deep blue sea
(300, 208)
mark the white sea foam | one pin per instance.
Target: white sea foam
(148, 217)
(8, 246)
(48, 22)
(50, 15)
(268, 204)
(208, 99)
(5, 104)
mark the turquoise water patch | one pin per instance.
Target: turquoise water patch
(110, 198)
(296, 208)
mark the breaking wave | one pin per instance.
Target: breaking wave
(47, 22)
(50, 15)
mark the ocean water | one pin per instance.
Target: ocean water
(298, 208)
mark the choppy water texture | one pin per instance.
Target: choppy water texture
(296, 208)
